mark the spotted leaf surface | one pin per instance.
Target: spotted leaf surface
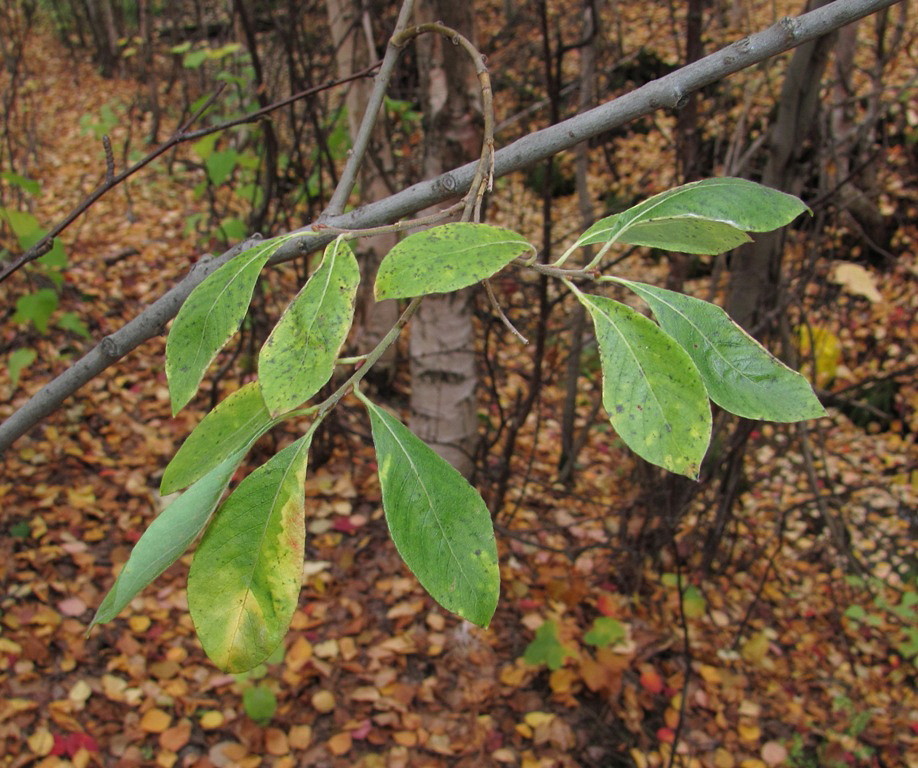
(231, 427)
(447, 258)
(299, 355)
(208, 319)
(439, 523)
(650, 388)
(673, 219)
(739, 374)
(167, 537)
(245, 577)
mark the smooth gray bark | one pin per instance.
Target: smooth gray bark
(669, 91)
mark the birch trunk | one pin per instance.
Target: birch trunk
(443, 378)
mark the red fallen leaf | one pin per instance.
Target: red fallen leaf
(132, 536)
(605, 605)
(362, 731)
(651, 680)
(494, 741)
(527, 604)
(666, 735)
(70, 743)
(344, 525)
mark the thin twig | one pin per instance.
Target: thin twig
(501, 315)
(371, 114)
(181, 135)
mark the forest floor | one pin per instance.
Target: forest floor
(779, 656)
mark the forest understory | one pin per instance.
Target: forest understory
(637, 610)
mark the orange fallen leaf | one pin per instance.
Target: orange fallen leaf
(176, 737)
(155, 721)
(340, 744)
(650, 679)
(300, 736)
(276, 742)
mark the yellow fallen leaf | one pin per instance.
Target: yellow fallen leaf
(41, 742)
(211, 719)
(323, 701)
(535, 719)
(855, 279)
(12, 707)
(512, 675)
(755, 648)
(139, 623)
(80, 692)
(749, 732)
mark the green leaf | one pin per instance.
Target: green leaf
(245, 578)
(205, 146)
(19, 360)
(693, 603)
(909, 648)
(259, 703)
(24, 225)
(28, 186)
(233, 229)
(446, 258)
(651, 388)
(20, 530)
(299, 356)
(36, 308)
(70, 321)
(194, 59)
(686, 234)
(855, 612)
(742, 205)
(220, 165)
(546, 647)
(740, 375)
(167, 537)
(56, 257)
(605, 632)
(438, 522)
(209, 317)
(230, 428)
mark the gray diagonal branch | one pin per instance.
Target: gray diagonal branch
(667, 92)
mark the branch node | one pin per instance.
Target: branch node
(789, 27)
(110, 348)
(109, 160)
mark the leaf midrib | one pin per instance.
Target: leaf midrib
(445, 538)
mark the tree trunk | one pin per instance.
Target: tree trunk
(443, 380)
(755, 276)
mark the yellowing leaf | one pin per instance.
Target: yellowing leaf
(246, 574)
